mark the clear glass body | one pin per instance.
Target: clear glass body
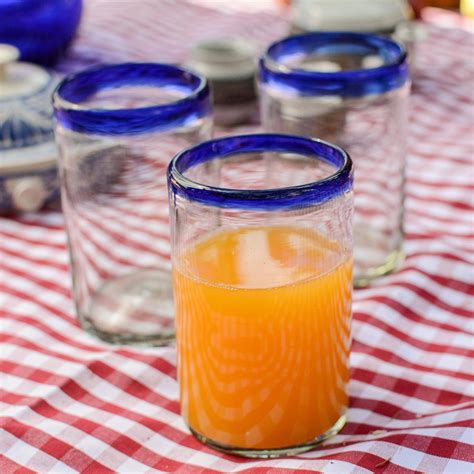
(371, 127)
(263, 301)
(115, 205)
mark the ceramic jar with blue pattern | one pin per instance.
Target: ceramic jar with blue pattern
(28, 172)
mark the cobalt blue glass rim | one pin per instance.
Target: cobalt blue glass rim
(287, 198)
(71, 114)
(393, 74)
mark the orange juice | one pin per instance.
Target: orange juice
(263, 333)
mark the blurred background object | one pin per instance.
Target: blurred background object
(28, 176)
(410, 34)
(385, 17)
(419, 5)
(40, 29)
(450, 4)
(369, 16)
(467, 8)
(229, 64)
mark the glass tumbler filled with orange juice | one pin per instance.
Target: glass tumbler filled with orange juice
(262, 263)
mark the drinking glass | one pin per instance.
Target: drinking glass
(117, 128)
(262, 275)
(351, 89)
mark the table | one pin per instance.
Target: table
(69, 403)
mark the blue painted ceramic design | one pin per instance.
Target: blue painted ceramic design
(26, 120)
(27, 149)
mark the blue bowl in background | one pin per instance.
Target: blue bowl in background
(40, 29)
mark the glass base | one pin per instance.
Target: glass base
(135, 309)
(273, 453)
(363, 278)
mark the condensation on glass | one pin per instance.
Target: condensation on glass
(117, 128)
(262, 275)
(351, 89)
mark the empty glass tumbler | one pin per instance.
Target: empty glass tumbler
(262, 273)
(351, 89)
(117, 128)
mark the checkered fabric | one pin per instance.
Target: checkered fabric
(69, 403)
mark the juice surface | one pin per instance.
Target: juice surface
(263, 332)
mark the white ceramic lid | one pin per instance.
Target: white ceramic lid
(19, 79)
(349, 15)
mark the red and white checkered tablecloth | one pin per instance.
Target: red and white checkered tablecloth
(69, 403)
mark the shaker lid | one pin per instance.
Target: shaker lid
(19, 79)
(227, 58)
(349, 15)
(26, 131)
